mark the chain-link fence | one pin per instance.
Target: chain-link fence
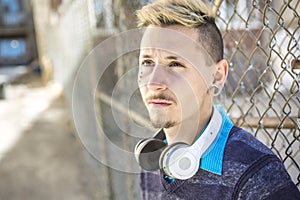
(64, 36)
(262, 92)
(262, 45)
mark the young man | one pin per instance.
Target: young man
(198, 153)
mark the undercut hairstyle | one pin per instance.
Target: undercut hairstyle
(188, 13)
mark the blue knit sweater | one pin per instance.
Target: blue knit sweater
(250, 171)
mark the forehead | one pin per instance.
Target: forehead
(152, 52)
(163, 38)
(176, 40)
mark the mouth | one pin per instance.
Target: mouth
(159, 102)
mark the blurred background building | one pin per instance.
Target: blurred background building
(17, 40)
(52, 38)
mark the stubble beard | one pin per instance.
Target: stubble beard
(160, 120)
(163, 124)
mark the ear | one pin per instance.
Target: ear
(221, 73)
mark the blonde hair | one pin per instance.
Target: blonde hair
(189, 13)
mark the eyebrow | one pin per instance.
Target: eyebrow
(168, 57)
(172, 58)
(146, 56)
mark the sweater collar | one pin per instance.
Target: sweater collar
(212, 160)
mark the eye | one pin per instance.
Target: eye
(175, 64)
(147, 63)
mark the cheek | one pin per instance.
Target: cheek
(143, 75)
(140, 77)
(143, 92)
(142, 84)
(199, 81)
(198, 86)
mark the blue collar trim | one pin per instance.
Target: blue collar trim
(212, 161)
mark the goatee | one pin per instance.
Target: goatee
(163, 124)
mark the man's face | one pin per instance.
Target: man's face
(171, 80)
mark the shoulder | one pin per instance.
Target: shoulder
(244, 147)
(261, 172)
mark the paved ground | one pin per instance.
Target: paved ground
(40, 156)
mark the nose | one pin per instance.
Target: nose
(157, 79)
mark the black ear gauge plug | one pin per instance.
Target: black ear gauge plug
(214, 89)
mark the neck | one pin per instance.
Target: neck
(188, 130)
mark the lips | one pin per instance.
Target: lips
(159, 102)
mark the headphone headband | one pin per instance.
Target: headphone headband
(208, 137)
(182, 161)
(177, 160)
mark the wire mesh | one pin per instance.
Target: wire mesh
(262, 93)
(261, 44)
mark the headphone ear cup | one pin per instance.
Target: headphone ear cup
(164, 155)
(147, 153)
(178, 162)
(138, 147)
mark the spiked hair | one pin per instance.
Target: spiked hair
(189, 13)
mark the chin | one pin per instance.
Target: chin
(159, 123)
(162, 120)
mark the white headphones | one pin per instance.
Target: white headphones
(179, 160)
